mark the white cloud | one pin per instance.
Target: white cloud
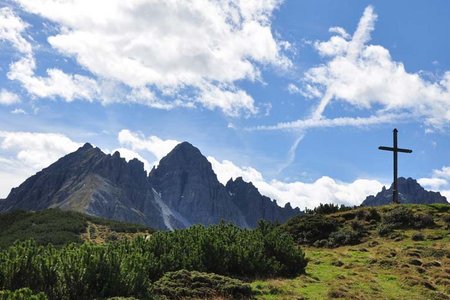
(225, 170)
(164, 45)
(8, 98)
(11, 28)
(299, 194)
(25, 153)
(432, 183)
(36, 150)
(293, 89)
(439, 181)
(444, 172)
(56, 84)
(152, 144)
(365, 75)
(336, 122)
(19, 111)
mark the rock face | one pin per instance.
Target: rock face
(183, 190)
(409, 191)
(91, 182)
(255, 206)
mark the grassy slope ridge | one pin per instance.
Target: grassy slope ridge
(53, 226)
(402, 255)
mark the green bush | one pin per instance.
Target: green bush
(399, 217)
(22, 294)
(423, 221)
(310, 228)
(127, 268)
(385, 229)
(418, 236)
(191, 284)
(403, 218)
(345, 237)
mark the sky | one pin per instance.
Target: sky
(294, 96)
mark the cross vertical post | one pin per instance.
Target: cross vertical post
(395, 151)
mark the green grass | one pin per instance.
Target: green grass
(377, 268)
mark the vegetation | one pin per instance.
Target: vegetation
(411, 262)
(128, 268)
(191, 284)
(57, 227)
(388, 252)
(22, 294)
(326, 209)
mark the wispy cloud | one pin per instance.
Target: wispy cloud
(336, 122)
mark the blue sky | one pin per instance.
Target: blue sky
(294, 96)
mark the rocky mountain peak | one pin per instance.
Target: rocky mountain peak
(409, 191)
(183, 190)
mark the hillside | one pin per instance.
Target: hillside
(388, 252)
(58, 227)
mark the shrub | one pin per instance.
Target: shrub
(447, 221)
(310, 228)
(385, 229)
(127, 268)
(372, 215)
(345, 237)
(403, 217)
(399, 217)
(22, 294)
(423, 221)
(418, 236)
(191, 284)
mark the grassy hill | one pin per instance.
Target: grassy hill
(389, 252)
(58, 227)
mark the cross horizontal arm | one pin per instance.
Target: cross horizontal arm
(404, 150)
(386, 148)
(395, 149)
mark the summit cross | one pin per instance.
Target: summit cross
(395, 151)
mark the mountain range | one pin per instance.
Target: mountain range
(409, 192)
(181, 191)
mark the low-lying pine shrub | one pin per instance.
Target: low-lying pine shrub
(345, 236)
(403, 217)
(128, 268)
(310, 228)
(22, 294)
(185, 284)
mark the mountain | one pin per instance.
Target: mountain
(183, 190)
(256, 206)
(92, 182)
(187, 183)
(409, 191)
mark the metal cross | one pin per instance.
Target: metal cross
(395, 150)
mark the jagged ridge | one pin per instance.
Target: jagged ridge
(183, 190)
(409, 191)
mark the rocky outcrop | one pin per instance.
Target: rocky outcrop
(255, 206)
(183, 190)
(409, 191)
